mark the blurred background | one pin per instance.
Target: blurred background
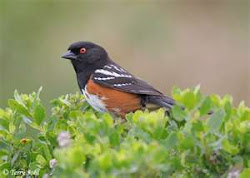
(171, 43)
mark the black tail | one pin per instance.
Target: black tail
(162, 101)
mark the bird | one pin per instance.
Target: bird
(107, 86)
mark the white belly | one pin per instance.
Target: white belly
(94, 101)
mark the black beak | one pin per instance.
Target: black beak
(69, 55)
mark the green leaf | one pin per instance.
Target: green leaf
(41, 160)
(34, 166)
(105, 161)
(38, 92)
(171, 140)
(5, 166)
(187, 142)
(205, 106)
(76, 156)
(4, 124)
(114, 138)
(2, 113)
(176, 92)
(197, 126)
(245, 173)
(18, 97)
(189, 100)
(228, 147)
(197, 89)
(178, 113)
(19, 107)
(36, 98)
(216, 120)
(46, 152)
(39, 114)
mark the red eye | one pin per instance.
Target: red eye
(83, 50)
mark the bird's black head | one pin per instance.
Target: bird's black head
(86, 55)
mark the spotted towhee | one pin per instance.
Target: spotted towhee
(107, 86)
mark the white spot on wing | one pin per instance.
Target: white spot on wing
(107, 66)
(114, 74)
(122, 84)
(104, 78)
(117, 68)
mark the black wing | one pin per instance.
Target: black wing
(116, 77)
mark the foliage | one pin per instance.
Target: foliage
(76, 141)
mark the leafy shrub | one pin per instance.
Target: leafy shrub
(76, 141)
